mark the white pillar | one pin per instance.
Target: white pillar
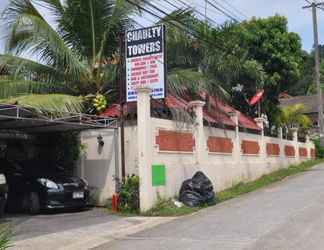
(295, 140)
(200, 140)
(308, 146)
(263, 151)
(260, 122)
(236, 142)
(280, 133)
(145, 144)
(295, 134)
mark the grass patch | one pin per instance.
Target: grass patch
(265, 180)
(5, 237)
(167, 208)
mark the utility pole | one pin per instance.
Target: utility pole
(121, 84)
(206, 4)
(314, 6)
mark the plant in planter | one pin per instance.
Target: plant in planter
(128, 196)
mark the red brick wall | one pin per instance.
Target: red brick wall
(290, 151)
(250, 147)
(219, 145)
(175, 141)
(313, 153)
(303, 152)
(273, 149)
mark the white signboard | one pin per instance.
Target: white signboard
(145, 61)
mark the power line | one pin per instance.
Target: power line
(182, 28)
(222, 11)
(164, 6)
(171, 4)
(227, 10)
(198, 12)
(235, 9)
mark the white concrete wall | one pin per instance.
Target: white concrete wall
(98, 164)
(224, 170)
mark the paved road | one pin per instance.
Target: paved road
(287, 215)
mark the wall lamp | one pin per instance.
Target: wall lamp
(100, 141)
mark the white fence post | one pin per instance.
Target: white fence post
(260, 122)
(296, 144)
(308, 146)
(145, 145)
(200, 139)
(236, 142)
(281, 144)
(280, 133)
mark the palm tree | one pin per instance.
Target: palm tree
(73, 59)
(293, 117)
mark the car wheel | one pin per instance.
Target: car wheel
(32, 204)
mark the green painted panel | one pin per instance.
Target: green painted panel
(158, 175)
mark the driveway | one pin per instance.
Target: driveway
(26, 227)
(287, 215)
(73, 230)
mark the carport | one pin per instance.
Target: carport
(28, 124)
(13, 117)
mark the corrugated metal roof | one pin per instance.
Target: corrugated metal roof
(310, 102)
(14, 117)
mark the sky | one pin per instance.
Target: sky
(299, 20)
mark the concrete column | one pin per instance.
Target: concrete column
(280, 133)
(281, 144)
(308, 146)
(236, 142)
(260, 122)
(295, 140)
(200, 140)
(295, 134)
(145, 145)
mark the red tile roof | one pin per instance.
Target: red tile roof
(175, 103)
(112, 111)
(218, 119)
(219, 114)
(244, 121)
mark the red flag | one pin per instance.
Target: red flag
(255, 99)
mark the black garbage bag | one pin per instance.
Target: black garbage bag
(197, 191)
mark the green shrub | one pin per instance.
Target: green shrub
(128, 197)
(5, 235)
(319, 149)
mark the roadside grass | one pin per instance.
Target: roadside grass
(5, 237)
(167, 208)
(265, 180)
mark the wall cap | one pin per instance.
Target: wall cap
(197, 103)
(143, 89)
(260, 120)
